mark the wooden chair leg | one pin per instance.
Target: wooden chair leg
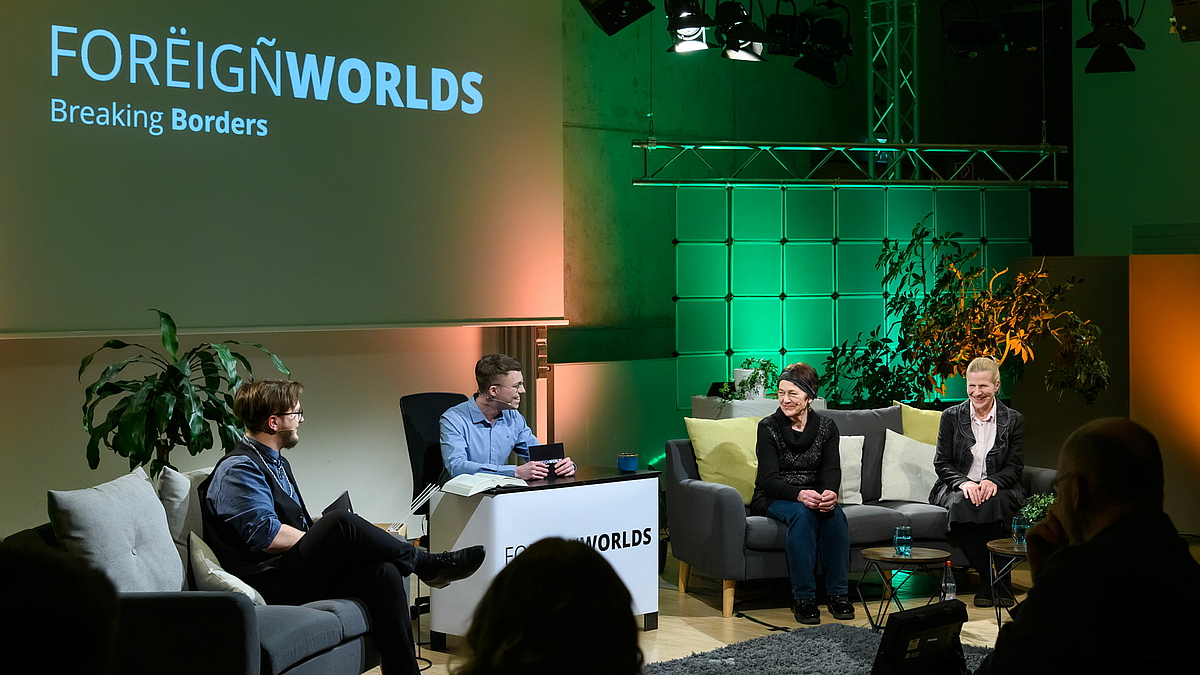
(727, 598)
(685, 569)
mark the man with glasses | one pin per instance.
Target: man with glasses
(1115, 589)
(480, 433)
(256, 522)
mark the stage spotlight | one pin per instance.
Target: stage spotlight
(828, 41)
(786, 32)
(741, 38)
(1110, 30)
(686, 21)
(613, 15)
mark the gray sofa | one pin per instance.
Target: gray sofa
(711, 529)
(181, 631)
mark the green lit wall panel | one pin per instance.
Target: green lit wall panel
(855, 315)
(694, 373)
(755, 324)
(701, 270)
(861, 213)
(729, 303)
(700, 214)
(809, 213)
(739, 358)
(755, 269)
(905, 208)
(700, 326)
(959, 211)
(807, 323)
(808, 269)
(757, 214)
(1006, 214)
(1001, 254)
(856, 271)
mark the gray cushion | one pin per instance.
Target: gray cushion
(869, 424)
(351, 614)
(177, 492)
(870, 524)
(928, 521)
(120, 528)
(764, 533)
(289, 634)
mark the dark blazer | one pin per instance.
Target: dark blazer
(1004, 461)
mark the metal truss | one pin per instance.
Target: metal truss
(731, 163)
(892, 105)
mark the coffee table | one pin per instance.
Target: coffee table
(1014, 554)
(920, 560)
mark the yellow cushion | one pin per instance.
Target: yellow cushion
(920, 425)
(725, 451)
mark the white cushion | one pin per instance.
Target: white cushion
(120, 528)
(210, 576)
(908, 473)
(850, 451)
(177, 492)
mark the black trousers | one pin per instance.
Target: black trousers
(345, 556)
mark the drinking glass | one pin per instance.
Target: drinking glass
(1020, 525)
(902, 540)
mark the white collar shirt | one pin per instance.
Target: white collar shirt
(985, 437)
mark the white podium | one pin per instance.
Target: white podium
(614, 512)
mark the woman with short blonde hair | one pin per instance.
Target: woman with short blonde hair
(979, 460)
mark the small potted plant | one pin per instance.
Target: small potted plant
(753, 380)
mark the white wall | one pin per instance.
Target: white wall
(352, 438)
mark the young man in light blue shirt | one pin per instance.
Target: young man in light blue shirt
(480, 433)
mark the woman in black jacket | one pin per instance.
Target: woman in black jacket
(980, 456)
(799, 473)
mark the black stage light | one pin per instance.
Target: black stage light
(828, 41)
(686, 21)
(741, 38)
(1186, 20)
(1111, 33)
(786, 32)
(613, 15)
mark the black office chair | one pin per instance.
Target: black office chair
(421, 413)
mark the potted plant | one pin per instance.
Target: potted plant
(757, 377)
(1036, 506)
(172, 405)
(942, 312)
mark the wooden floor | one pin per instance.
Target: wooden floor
(692, 622)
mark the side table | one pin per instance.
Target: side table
(920, 560)
(1014, 554)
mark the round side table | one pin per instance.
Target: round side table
(920, 560)
(1013, 554)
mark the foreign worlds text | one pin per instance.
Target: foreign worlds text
(185, 63)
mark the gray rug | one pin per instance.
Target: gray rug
(828, 649)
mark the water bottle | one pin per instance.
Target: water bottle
(902, 541)
(949, 588)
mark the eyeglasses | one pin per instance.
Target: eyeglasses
(517, 387)
(298, 412)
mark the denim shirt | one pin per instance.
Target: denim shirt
(241, 496)
(472, 445)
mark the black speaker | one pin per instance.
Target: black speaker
(923, 640)
(613, 15)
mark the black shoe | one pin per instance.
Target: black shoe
(806, 611)
(840, 607)
(983, 598)
(453, 565)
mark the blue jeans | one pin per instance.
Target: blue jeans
(810, 531)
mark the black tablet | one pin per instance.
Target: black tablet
(545, 453)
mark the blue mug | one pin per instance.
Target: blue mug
(627, 461)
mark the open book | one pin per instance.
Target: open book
(468, 486)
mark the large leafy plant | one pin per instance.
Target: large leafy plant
(942, 313)
(176, 404)
(764, 376)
